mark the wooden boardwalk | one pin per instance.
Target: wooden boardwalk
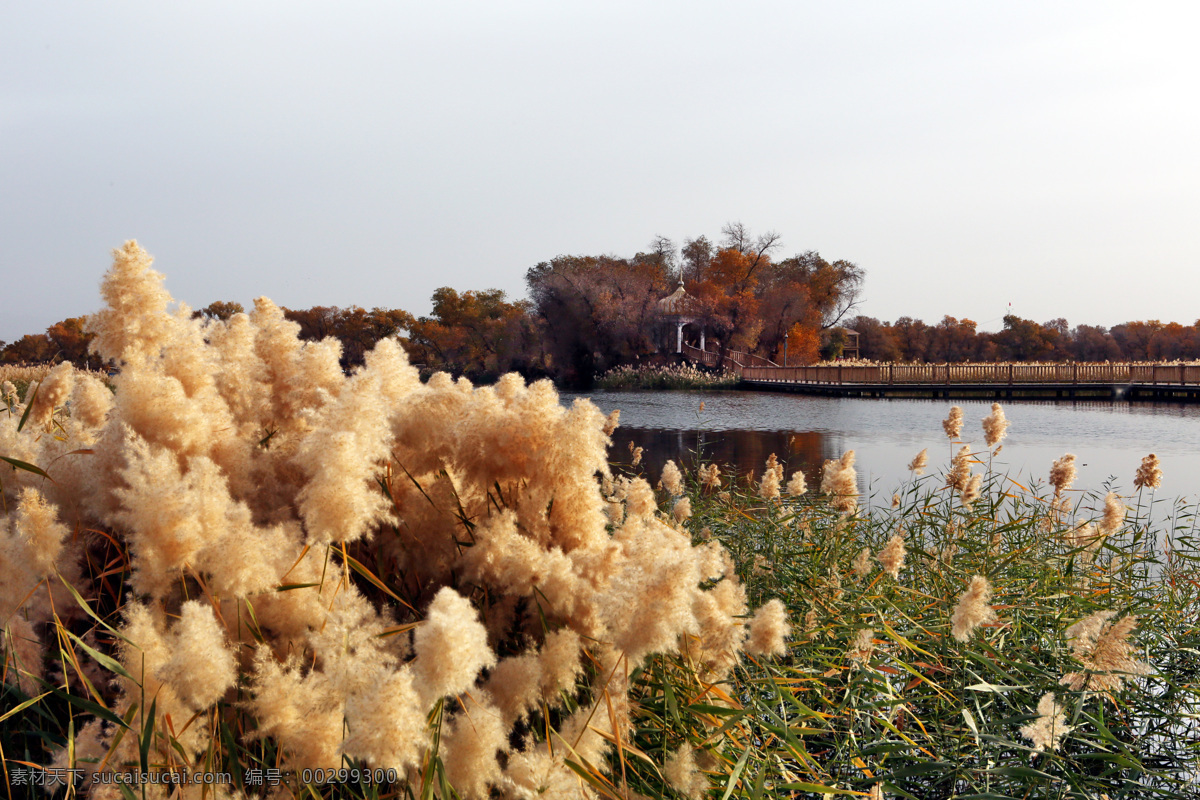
(1135, 381)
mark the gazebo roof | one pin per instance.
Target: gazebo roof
(678, 303)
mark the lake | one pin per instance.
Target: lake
(742, 428)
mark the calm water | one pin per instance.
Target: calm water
(743, 428)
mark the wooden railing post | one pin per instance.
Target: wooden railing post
(1075, 373)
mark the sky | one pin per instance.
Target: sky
(965, 155)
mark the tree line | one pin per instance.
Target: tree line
(586, 314)
(953, 340)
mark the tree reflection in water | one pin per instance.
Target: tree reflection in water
(740, 451)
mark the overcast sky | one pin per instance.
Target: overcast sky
(966, 155)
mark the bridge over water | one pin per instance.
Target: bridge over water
(1134, 381)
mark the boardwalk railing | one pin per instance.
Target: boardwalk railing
(736, 359)
(991, 374)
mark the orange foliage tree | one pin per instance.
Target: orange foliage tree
(479, 334)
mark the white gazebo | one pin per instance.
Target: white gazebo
(680, 308)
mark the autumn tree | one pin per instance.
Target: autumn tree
(1026, 340)
(953, 340)
(664, 252)
(697, 254)
(355, 328)
(70, 342)
(730, 307)
(29, 349)
(478, 334)
(912, 338)
(596, 311)
(1093, 343)
(1137, 339)
(220, 309)
(875, 339)
(808, 291)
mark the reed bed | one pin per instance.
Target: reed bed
(22, 375)
(971, 636)
(672, 376)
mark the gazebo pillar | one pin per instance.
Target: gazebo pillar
(701, 337)
(679, 336)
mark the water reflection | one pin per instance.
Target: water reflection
(744, 450)
(743, 428)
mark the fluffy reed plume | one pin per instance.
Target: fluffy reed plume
(252, 559)
(862, 565)
(995, 426)
(635, 455)
(1104, 650)
(34, 544)
(1114, 515)
(682, 510)
(44, 398)
(919, 463)
(773, 465)
(1047, 731)
(710, 476)
(973, 609)
(811, 618)
(1062, 474)
(1148, 473)
(612, 422)
(840, 479)
(944, 555)
(953, 424)
(797, 485)
(768, 488)
(1083, 534)
(862, 647)
(768, 629)
(895, 501)
(891, 557)
(972, 491)
(1058, 510)
(672, 479)
(959, 474)
(684, 775)
(876, 792)
(23, 654)
(8, 392)
(832, 585)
